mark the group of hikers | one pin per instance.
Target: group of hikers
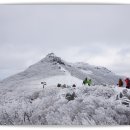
(127, 81)
(88, 82)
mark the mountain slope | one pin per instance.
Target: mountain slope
(52, 65)
(54, 70)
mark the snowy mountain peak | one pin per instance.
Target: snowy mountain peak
(51, 57)
(53, 65)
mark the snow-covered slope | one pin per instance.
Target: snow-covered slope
(99, 75)
(52, 65)
(24, 101)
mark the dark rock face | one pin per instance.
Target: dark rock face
(54, 59)
(58, 60)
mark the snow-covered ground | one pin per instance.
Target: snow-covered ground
(87, 72)
(93, 105)
(23, 101)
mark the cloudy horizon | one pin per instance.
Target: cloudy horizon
(95, 34)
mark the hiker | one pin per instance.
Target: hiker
(127, 80)
(73, 85)
(43, 83)
(85, 81)
(58, 85)
(120, 83)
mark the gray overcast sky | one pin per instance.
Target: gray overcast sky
(95, 34)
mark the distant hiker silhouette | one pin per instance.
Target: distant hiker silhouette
(120, 83)
(58, 85)
(73, 85)
(43, 83)
(86, 81)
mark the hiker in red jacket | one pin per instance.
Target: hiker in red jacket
(127, 80)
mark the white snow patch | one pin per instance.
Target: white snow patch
(86, 71)
(62, 79)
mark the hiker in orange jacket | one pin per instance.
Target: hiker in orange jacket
(120, 83)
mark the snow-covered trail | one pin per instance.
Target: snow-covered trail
(67, 79)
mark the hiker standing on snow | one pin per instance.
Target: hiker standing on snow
(43, 84)
(86, 81)
(120, 83)
(127, 80)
